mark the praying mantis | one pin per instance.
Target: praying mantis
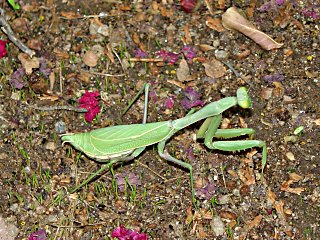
(121, 143)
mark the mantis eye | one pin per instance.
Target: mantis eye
(243, 98)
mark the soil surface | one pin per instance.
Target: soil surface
(114, 48)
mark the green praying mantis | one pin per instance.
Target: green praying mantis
(121, 143)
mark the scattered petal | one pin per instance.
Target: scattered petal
(169, 57)
(43, 68)
(122, 179)
(273, 78)
(188, 6)
(38, 235)
(17, 80)
(191, 99)
(169, 103)
(189, 52)
(138, 53)
(207, 191)
(3, 50)
(88, 101)
(126, 234)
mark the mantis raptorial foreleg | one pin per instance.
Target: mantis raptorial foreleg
(209, 130)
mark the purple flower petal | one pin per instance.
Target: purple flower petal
(38, 235)
(17, 80)
(138, 53)
(133, 180)
(189, 52)
(169, 103)
(273, 78)
(169, 57)
(207, 191)
(43, 68)
(126, 234)
(192, 99)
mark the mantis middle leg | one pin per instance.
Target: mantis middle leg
(165, 155)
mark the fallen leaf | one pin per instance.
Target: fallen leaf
(233, 20)
(52, 80)
(246, 175)
(295, 177)
(215, 24)
(183, 72)
(206, 47)
(70, 15)
(278, 205)
(214, 68)
(90, 58)
(28, 63)
(285, 186)
(60, 54)
(187, 34)
(254, 223)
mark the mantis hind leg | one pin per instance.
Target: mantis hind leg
(134, 154)
(165, 155)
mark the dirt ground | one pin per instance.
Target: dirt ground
(114, 47)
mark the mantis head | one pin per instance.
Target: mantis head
(243, 98)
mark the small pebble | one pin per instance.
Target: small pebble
(60, 127)
(217, 226)
(40, 210)
(50, 146)
(290, 156)
(90, 58)
(15, 96)
(52, 218)
(221, 54)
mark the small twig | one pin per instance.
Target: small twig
(8, 31)
(81, 226)
(52, 108)
(145, 59)
(104, 74)
(115, 53)
(237, 74)
(60, 78)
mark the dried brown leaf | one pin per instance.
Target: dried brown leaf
(295, 177)
(254, 223)
(28, 63)
(286, 187)
(183, 72)
(214, 68)
(278, 205)
(215, 24)
(233, 20)
(70, 15)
